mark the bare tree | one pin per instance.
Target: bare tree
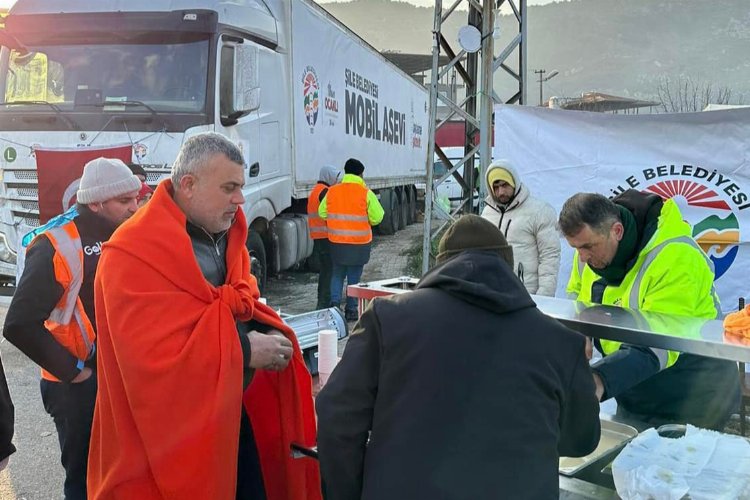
(684, 95)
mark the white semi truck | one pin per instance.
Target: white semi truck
(292, 86)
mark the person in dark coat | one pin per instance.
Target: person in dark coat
(7, 415)
(60, 262)
(465, 388)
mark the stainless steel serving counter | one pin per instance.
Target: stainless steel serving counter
(664, 331)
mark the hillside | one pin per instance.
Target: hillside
(623, 47)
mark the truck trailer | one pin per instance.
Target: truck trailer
(283, 79)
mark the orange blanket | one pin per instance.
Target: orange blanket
(738, 323)
(166, 423)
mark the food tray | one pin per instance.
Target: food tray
(614, 435)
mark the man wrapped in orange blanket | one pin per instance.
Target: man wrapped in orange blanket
(183, 341)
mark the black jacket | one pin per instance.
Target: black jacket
(344, 254)
(468, 389)
(211, 254)
(6, 418)
(38, 292)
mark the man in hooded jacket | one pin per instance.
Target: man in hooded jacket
(529, 225)
(319, 233)
(466, 389)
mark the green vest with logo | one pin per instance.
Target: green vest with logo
(671, 275)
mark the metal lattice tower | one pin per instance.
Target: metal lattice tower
(477, 70)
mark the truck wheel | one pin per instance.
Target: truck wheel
(257, 251)
(404, 208)
(390, 218)
(412, 191)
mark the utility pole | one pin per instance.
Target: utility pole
(541, 73)
(541, 81)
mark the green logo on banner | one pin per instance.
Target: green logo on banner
(10, 154)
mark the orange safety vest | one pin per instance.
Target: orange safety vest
(347, 214)
(317, 224)
(68, 322)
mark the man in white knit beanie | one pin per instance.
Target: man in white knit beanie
(105, 188)
(51, 318)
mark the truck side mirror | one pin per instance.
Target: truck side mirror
(239, 89)
(246, 88)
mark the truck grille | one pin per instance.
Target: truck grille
(27, 175)
(28, 192)
(22, 194)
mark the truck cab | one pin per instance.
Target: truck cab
(294, 88)
(88, 74)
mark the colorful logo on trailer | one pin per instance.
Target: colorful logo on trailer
(311, 95)
(716, 227)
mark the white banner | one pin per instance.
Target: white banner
(349, 102)
(702, 160)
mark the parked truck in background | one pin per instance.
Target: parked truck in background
(292, 86)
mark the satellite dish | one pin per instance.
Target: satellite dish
(470, 39)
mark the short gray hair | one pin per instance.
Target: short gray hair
(199, 149)
(591, 209)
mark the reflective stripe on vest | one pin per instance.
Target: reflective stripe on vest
(666, 358)
(348, 222)
(317, 224)
(68, 322)
(651, 256)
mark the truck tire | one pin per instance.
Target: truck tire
(403, 208)
(389, 201)
(257, 251)
(412, 192)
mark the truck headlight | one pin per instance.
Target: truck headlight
(6, 254)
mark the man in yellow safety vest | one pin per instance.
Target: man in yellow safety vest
(350, 210)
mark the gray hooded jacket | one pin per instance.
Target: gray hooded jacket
(329, 175)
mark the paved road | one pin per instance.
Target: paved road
(297, 292)
(35, 472)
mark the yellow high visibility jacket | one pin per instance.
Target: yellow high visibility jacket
(671, 275)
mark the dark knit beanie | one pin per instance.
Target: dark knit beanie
(472, 232)
(137, 169)
(354, 166)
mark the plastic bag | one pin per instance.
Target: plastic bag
(703, 464)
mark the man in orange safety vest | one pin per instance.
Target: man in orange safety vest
(350, 210)
(328, 177)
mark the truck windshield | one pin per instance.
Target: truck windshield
(93, 76)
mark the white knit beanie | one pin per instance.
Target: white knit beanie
(104, 179)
